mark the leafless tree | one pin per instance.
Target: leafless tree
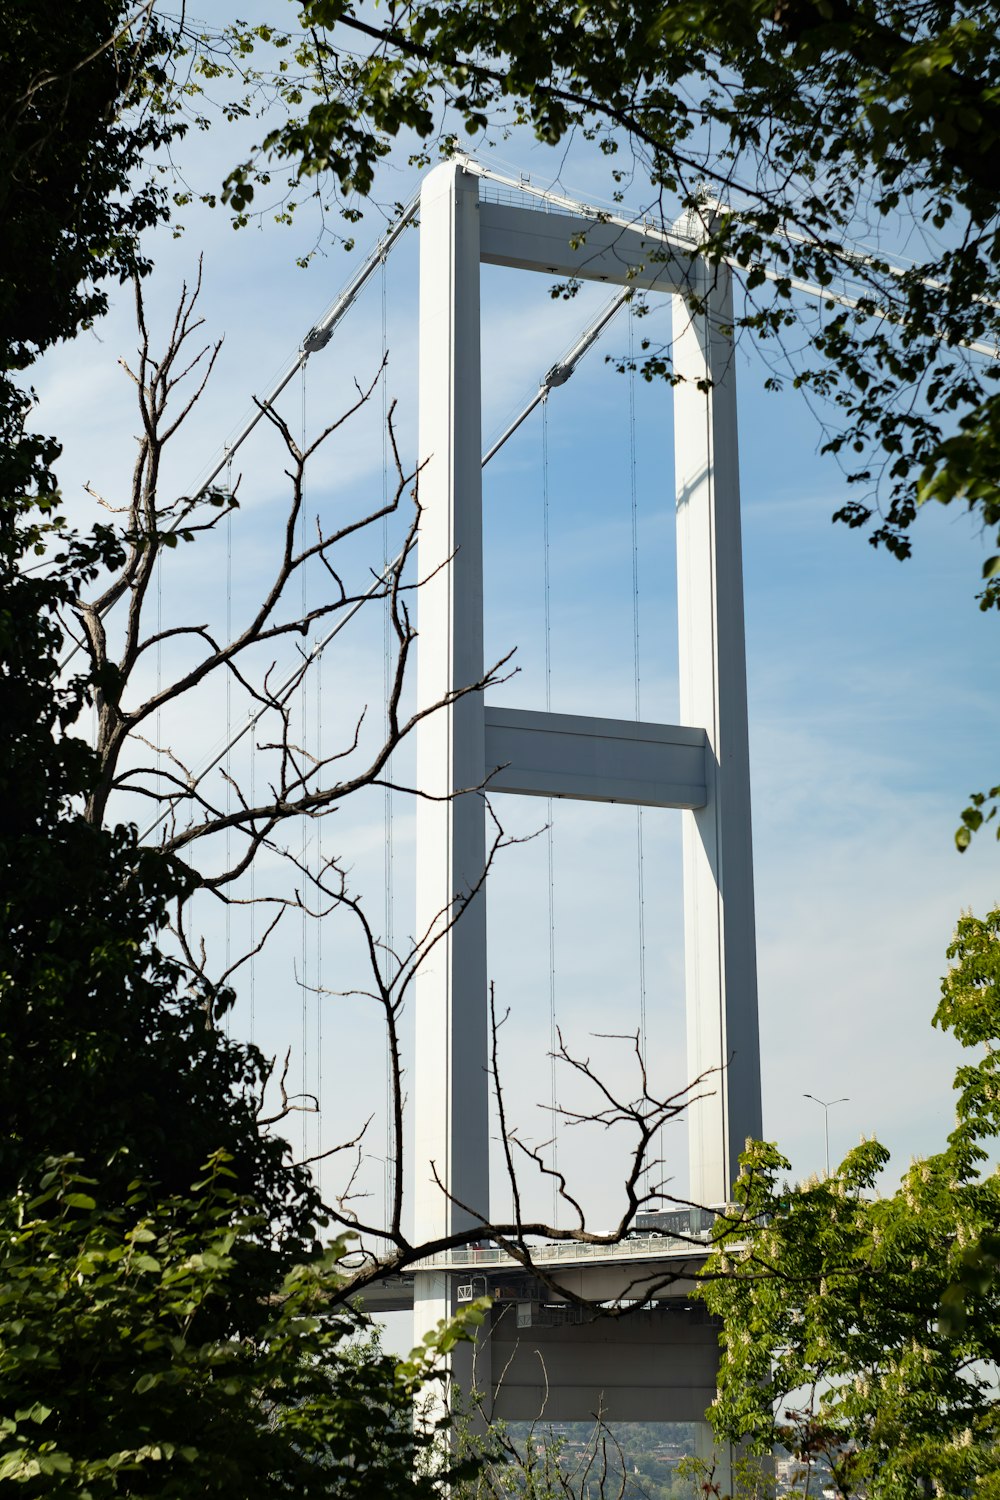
(186, 813)
(536, 1463)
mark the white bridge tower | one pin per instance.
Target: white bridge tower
(700, 766)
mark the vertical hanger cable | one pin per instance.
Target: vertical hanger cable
(549, 832)
(303, 753)
(253, 893)
(320, 923)
(229, 711)
(634, 499)
(387, 806)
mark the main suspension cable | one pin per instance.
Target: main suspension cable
(561, 371)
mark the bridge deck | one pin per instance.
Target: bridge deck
(654, 1266)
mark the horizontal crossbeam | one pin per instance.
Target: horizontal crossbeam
(595, 760)
(584, 249)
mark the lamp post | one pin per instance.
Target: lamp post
(827, 1106)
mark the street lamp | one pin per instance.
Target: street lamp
(827, 1106)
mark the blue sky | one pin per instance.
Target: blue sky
(872, 689)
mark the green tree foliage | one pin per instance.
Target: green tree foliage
(158, 1338)
(850, 145)
(862, 1329)
(818, 120)
(106, 1050)
(117, 1376)
(76, 186)
(168, 1339)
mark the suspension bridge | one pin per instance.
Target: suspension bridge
(700, 767)
(539, 1351)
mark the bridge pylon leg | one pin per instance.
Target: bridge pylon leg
(719, 942)
(451, 1084)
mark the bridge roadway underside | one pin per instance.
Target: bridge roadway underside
(552, 1360)
(655, 1364)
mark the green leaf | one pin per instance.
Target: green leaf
(35, 1413)
(80, 1200)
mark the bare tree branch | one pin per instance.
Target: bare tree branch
(222, 826)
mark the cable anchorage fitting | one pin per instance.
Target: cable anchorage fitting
(316, 338)
(558, 375)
